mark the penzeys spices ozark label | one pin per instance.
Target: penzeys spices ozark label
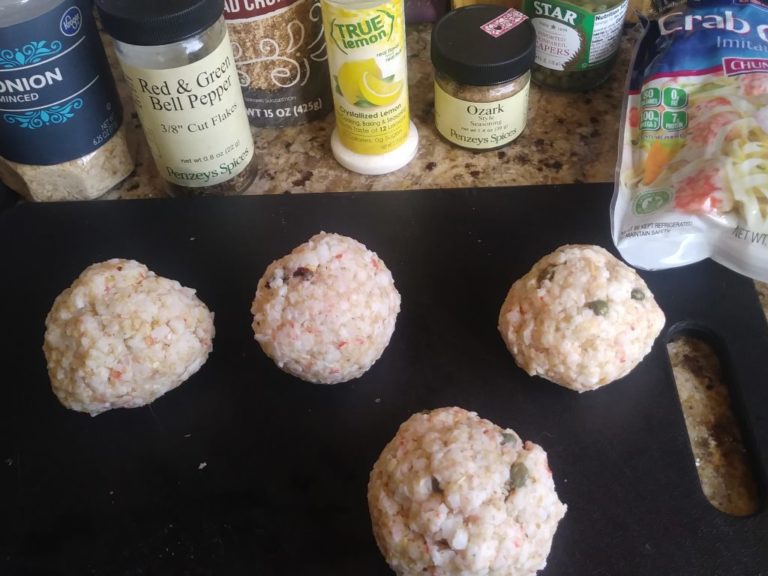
(575, 36)
(281, 60)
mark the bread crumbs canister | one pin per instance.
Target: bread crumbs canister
(482, 56)
(281, 60)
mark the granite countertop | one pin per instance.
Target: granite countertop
(570, 137)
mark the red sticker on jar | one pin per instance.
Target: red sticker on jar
(503, 23)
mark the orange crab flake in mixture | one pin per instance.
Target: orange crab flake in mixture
(708, 121)
(701, 192)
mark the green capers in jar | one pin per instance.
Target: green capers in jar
(563, 64)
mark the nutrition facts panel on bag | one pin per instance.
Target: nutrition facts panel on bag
(663, 110)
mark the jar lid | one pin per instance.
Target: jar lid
(464, 50)
(157, 22)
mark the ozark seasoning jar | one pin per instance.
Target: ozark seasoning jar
(577, 41)
(482, 57)
(178, 62)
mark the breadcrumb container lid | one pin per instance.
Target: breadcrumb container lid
(157, 22)
(483, 45)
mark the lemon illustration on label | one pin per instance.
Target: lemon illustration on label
(379, 91)
(360, 82)
(350, 74)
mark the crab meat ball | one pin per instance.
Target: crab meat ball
(580, 318)
(454, 494)
(120, 337)
(326, 311)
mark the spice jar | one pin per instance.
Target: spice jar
(482, 57)
(60, 115)
(178, 62)
(577, 41)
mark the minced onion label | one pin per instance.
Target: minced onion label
(57, 98)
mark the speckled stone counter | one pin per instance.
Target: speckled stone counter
(569, 138)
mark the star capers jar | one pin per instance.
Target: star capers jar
(577, 42)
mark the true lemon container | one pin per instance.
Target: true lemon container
(369, 75)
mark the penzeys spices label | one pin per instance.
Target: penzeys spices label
(193, 118)
(471, 122)
(482, 56)
(281, 59)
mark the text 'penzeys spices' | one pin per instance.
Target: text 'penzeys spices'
(482, 57)
(178, 62)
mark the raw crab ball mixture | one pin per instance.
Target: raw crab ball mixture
(580, 318)
(326, 311)
(120, 337)
(454, 494)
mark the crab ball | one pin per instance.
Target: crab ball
(326, 311)
(580, 318)
(455, 494)
(121, 336)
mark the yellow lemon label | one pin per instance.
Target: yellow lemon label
(368, 65)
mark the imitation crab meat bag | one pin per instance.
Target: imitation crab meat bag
(692, 178)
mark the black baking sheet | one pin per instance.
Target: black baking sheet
(246, 470)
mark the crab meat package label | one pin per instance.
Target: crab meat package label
(692, 177)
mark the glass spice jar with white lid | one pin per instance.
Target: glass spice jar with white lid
(482, 56)
(178, 61)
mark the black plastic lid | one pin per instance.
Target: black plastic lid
(470, 55)
(157, 22)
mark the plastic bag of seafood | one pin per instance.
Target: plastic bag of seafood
(692, 176)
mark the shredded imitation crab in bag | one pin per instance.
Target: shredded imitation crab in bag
(692, 178)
